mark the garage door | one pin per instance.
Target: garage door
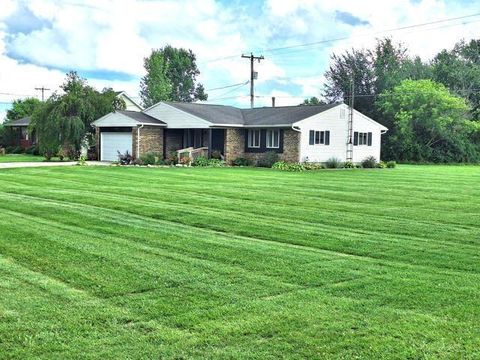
(111, 142)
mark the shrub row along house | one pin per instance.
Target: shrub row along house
(297, 133)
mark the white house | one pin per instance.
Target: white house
(313, 133)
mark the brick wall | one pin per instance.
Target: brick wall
(173, 140)
(151, 139)
(234, 144)
(291, 148)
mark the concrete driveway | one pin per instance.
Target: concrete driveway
(46, 164)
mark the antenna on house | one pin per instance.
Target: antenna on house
(253, 75)
(350, 122)
(42, 89)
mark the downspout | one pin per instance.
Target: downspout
(138, 140)
(297, 129)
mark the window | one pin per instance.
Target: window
(362, 138)
(253, 138)
(273, 139)
(319, 137)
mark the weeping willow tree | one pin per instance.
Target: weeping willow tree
(63, 122)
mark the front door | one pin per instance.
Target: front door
(218, 140)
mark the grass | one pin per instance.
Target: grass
(240, 263)
(25, 158)
(20, 158)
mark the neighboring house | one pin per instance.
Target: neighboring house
(312, 133)
(21, 136)
(131, 105)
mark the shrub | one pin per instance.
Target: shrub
(82, 161)
(282, 165)
(381, 165)
(313, 166)
(185, 160)
(349, 165)
(216, 155)
(216, 163)
(200, 161)
(172, 158)
(125, 159)
(32, 150)
(241, 161)
(369, 162)
(18, 150)
(161, 161)
(391, 164)
(62, 154)
(333, 163)
(267, 159)
(9, 149)
(148, 158)
(138, 162)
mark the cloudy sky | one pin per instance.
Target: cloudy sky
(106, 40)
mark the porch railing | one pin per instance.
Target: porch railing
(187, 155)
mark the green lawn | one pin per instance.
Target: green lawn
(20, 158)
(240, 263)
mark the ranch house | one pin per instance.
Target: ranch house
(311, 133)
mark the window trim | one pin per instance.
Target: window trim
(251, 137)
(363, 138)
(319, 137)
(271, 132)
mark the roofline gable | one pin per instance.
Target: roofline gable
(161, 103)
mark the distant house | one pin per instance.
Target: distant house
(297, 133)
(131, 105)
(21, 136)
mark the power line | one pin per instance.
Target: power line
(351, 37)
(228, 86)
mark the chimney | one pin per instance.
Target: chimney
(273, 101)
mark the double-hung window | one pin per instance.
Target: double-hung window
(319, 137)
(362, 138)
(253, 138)
(273, 138)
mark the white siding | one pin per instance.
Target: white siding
(331, 120)
(115, 119)
(176, 118)
(130, 105)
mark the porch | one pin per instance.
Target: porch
(194, 143)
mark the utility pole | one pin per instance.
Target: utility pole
(253, 75)
(350, 122)
(42, 89)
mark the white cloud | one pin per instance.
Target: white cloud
(115, 36)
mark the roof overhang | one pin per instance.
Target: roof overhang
(117, 119)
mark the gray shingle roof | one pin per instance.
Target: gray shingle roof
(229, 115)
(20, 122)
(140, 117)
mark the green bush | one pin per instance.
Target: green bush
(200, 161)
(391, 164)
(241, 161)
(9, 149)
(32, 150)
(369, 162)
(18, 150)
(333, 163)
(313, 166)
(381, 165)
(161, 161)
(216, 155)
(267, 159)
(216, 163)
(282, 165)
(348, 165)
(148, 158)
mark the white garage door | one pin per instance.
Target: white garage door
(111, 142)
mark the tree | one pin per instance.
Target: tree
(22, 108)
(459, 70)
(313, 101)
(372, 71)
(171, 76)
(428, 123)
(64, 121)
(155, 86)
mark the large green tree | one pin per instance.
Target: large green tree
(427, 123)
(372, 72)
(171, 76)
(22, 108)
(459, 70)
(64, 120)
(313, 101)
